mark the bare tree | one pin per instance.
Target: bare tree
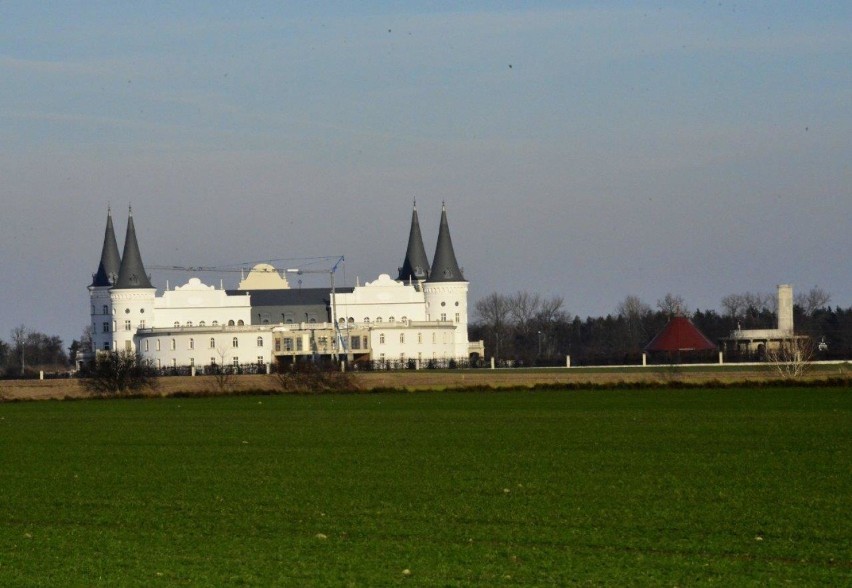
(523, 308)
(733, 305)
(812, 300)
(493, 313)
(673, 305)
(792, 358)
(19, 337)
(223, 374)
(632, 307)
(633, 312)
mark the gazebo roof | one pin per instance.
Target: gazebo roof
(680, 334)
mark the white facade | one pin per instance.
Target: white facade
(196, 325)
(196, 304)
(381, 301)
(446, 302)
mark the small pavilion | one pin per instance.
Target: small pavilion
(679, 336)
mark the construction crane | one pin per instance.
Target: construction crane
(341, 341)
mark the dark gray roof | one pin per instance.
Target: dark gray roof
(288, 297)
(110, 263)
(416, 264)
(445, 268)
(291, 305)
(132, 272)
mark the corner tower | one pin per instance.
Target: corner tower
(132, 296)
(415, 268)
(102, 281)
(446, 288)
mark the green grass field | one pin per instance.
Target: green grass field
(726, 487)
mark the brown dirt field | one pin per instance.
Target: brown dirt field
(407, 380)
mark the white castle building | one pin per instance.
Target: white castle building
(419, 318)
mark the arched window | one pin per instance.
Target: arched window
(381, 337)
(240, 322)
(391, 319)
(215, 323)
(188, 323)
(177, 324)
(212, 342)
(231, 323)
(260, 341)
(366, 319)
(405, 319)
(235, 342)
(351, 321)
(379, 319)
(172, 345)
(191, 343)
(201, 323)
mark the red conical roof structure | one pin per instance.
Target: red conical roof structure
(680, 334)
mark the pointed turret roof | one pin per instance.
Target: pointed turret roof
(416, 264)
(132, 273)
(445, 268)
(680, 334)
(110, 263)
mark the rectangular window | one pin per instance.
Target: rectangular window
(106, 345)
(355, 342)
(114, 326)
(158, 344)
(126, 325)
(443, 316)
(259, 360)
(142, 324)
(236, 362)
(420, 337)
(106, 327)
(172, 345)
(299, 344)
(402, 337)
(278, 345)
(191, 362)
(458, 317)
(288, 344)
(366, 342)
(128, 346)
(146, 344)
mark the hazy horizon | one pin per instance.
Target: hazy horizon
(590, 152)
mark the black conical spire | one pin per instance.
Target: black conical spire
(445, 268)
(110, 263)
(416, 264)
(132, 273)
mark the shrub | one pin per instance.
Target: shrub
(314, 378)
(114, 372)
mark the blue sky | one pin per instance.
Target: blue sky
(589, 150)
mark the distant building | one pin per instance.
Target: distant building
(759, 341)
(679, 335)
(418, 318)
